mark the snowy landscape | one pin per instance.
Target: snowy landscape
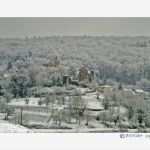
(75, 84)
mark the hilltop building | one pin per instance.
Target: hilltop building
(85, 74)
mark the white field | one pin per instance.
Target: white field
(6, 127)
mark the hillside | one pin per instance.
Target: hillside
(112, 57)
(80, 49)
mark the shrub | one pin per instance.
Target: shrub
(27, 100)
(39, 102)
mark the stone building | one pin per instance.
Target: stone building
(85, 74)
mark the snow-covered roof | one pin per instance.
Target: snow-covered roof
(129, 91)
(139, 91)
(95, 105)
(123, 110)
(101, 96)
(82, 90)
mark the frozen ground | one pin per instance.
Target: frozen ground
(6, 127)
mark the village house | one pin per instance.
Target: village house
(85, 74)
(66, 79)
(104, 89)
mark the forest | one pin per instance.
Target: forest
(114, 59)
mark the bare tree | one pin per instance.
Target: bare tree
(79, 107)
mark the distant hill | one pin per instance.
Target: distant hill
(127, 53)
(84, 49)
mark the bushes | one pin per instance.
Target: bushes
(147, 121)
(19, 84)
(106, 116)
(40, 102)
(4, 108)
(27, 100)
(140, 116)
(130, 112)
(8, 111)
(56, 81)
(2, 105)
(106, 103)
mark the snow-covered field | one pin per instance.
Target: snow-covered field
(6, 127)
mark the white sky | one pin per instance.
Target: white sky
(21, 27)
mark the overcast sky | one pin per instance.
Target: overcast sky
(21, 27)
